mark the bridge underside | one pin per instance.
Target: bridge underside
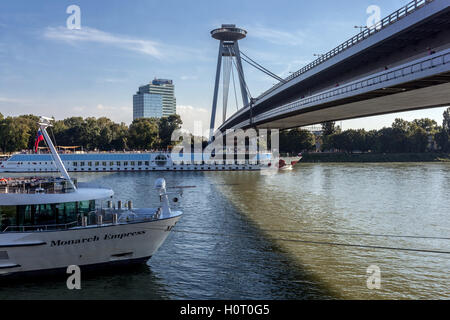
(425, 93)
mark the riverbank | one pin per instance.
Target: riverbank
(376, 157)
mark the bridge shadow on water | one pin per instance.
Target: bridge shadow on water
(215, 252)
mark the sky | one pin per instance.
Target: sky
(48, 69)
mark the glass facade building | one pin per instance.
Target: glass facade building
(156, 99)
(147, 105)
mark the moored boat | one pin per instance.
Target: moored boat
(49, 223)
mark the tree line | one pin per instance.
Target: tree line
(418, 136)
(102, 134)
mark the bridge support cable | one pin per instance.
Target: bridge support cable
(234, 87)
(256, 65)
(241, 76)
(242, 80)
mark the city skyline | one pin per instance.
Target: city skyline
(48, 69)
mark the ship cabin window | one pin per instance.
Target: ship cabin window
(125, 163)
(132, 163)
(89, 164)
(75, 164)
(26, 217)
(147, 163)
(97, 163)
(104, 163)
(82, 164)
(111, 163)
(118, 163)
(139, 163)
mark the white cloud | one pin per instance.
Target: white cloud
(87, 34)
(188, 77)
(147, 47)
(278, 37)
(190, 115)
(12, 100)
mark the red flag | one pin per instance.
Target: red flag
(39, 138)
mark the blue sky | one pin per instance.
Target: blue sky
(50, 70)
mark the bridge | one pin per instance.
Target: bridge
(402, 63)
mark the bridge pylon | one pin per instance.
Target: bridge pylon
(229, 54)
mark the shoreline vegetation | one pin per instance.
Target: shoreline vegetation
(342, 157)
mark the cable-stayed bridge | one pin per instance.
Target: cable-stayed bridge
(401, 63)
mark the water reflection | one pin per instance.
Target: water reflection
(229, 242)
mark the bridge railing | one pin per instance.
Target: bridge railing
(387, 21)
(399, 72)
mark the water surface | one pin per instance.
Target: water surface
(232, 242)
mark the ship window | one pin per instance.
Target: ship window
(29, 216)
(125, 163)
(82, 164)
(75, 164)
(132, 163)
(147, 163)
(118, 163)
(139, 163)
(104, 164)
(111, 163)
(90, 164)
(97, 163)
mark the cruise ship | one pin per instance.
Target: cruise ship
(48, 224)
(113, 162)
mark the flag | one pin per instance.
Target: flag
(39, 138)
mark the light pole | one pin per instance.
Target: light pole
(361, 28)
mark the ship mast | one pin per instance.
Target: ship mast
(44, 123)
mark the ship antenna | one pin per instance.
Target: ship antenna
(45, 122)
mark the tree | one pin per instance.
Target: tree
(446, 122)
(167, 125)
(119, 136)
(329, 128)
(443, 136)
(143, 134)
(417, 139)
(296, 140)
(14, 135)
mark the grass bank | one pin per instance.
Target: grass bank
(376, 157)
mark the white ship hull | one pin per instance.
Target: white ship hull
(128, 162)
(22, 252)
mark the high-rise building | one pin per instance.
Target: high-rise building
(156, 99)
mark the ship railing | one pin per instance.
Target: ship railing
(45, 227)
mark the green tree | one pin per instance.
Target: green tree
(14, 135)
(143, 134)
(296, 140)
(329, 128)
(446, 122)
(443, 136)
(167, 125)
(119, 136)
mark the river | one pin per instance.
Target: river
(310, 233)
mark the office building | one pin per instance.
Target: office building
(156, 99)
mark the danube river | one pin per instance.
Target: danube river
(310, 233)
